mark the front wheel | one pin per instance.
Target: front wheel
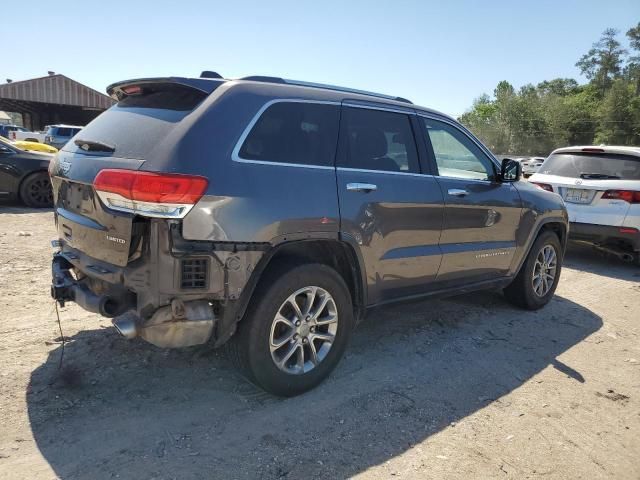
(536, 283)
(296, 331)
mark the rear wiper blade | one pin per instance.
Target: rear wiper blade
(599, 175)
(94, 146)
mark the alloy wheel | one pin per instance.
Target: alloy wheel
(303, 330)
(544, 270)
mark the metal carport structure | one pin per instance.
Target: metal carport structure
(52, 99)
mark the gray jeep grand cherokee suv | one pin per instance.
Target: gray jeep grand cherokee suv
(269, 215)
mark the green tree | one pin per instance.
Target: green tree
(632, 69)
(616, 116)
(603, 62)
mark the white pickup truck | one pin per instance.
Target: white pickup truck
(16, 135)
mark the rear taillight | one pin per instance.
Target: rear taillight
(630, 196)
(149, 194)
(543, 186)
(628, 230)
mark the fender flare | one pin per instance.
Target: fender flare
(234, 310)
(532, 238)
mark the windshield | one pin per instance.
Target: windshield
(592, 166)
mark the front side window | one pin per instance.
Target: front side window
(294, 132)
(379, 140)
(457, 156)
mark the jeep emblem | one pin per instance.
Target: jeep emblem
(64, 166)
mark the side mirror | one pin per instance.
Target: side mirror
(510, 171)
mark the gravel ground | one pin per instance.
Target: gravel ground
(467, 387)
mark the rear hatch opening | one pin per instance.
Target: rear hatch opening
(102, 198)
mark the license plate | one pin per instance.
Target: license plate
(578, 195)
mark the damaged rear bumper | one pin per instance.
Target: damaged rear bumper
(156, 295)
(64, 287)
(180, 324)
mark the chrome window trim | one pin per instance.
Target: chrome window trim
(235, 154)
(407, 111)
(385, 172)
(484, 149)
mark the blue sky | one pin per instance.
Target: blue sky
(438, 54)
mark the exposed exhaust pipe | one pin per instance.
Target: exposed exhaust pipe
(173, 326)
(126, 325)
(621, 254)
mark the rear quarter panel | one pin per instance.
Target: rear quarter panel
(248, 202)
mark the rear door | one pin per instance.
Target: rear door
(389, 208)
(481, 215)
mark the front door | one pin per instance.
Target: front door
(482, 214)
(389, 210)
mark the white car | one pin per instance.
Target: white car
(531, 165)
(26, 136)
(601, 188)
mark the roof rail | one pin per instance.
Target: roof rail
(259, 78)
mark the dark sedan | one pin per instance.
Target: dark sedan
(23, 176)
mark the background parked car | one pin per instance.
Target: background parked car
(601, 188)
(58, 135)
(5, 130)
(531, 165)
(31, 146)
(24, 176)
(27, 135)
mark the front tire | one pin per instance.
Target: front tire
(537, 280)
(295, 332)
(36, 190)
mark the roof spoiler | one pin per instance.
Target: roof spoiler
(117, 90)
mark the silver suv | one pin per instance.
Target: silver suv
(269, 215)
(58, 135)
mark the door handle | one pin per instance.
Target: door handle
(458, 192)
(361, 187)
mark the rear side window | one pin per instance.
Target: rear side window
(379, 140)
(294, 132)
(592, 166)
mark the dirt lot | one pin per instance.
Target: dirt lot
(458, 388)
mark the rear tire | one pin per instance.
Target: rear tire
(533, 287)
(36, 190)
(271, 320)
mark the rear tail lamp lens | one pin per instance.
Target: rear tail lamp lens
(629, 230)
(629, 196)
(543, 186)
(148, 193)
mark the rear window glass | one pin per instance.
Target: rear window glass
(138, 123)
(592, 166)
(62, 132)
(294, 132)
